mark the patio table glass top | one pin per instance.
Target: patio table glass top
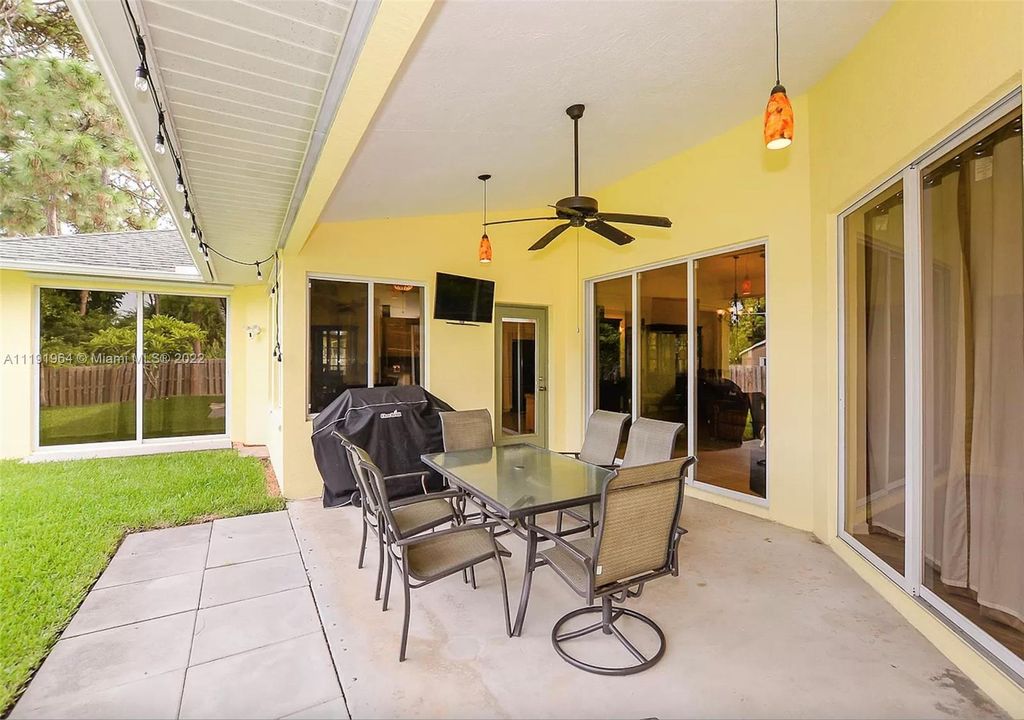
(516, 481)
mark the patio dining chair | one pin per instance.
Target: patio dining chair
(427, 558)
(466, 430)
(414, 515)
(637, 542)
(600, 443)
(651, 441)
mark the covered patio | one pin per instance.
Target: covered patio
(160, 636)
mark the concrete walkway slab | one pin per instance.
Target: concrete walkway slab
(253, 537)
(248, 624)
(243, 581)
(131, 567)
(155, 698)
(82, 665)
(267, 682)
(134, 602)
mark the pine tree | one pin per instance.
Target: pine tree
(66, 162)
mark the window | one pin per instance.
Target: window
(932, 388)
(93, 389)
(362, 334)
(719, 327)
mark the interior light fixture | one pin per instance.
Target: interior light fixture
(746, 286)
(778, 115)
(736, 305)
(484, 253)
(142, 78)
(402, 288)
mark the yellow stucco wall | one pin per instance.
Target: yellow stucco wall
(16, 330)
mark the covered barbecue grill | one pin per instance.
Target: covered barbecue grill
(395, 425)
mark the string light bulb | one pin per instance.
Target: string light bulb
(194, 232)
(206, 250)
(159, 145)
(179, 184)
(259, 273)
(187, 210)
(142, 78)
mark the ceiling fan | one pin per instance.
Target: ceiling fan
(582, 211)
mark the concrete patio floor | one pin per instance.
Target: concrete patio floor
(235, 619)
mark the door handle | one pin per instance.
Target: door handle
(542, 389)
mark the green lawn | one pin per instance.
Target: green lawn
(164, 417)
(60, 522)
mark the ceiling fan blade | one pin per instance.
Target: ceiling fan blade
(549, 236)
(652, 220)
(505, 222)
(614, 234)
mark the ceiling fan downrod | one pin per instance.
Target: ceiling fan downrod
(576, 112)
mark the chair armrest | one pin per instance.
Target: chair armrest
(569, 453)
(563, 543)
(440, 495)
(399, 476)
(447, 531)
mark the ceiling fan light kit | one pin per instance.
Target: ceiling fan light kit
(778, 115)
(582, 211)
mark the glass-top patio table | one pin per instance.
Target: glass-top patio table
(514, 484)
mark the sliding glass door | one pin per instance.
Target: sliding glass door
(933, 381)
(109, 373)
(708, 313)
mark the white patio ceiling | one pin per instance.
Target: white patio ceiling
(485, 87)
(249, 87)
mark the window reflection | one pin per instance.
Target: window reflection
(613, 351)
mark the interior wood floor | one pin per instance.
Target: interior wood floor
(728, 468)
(890, 550)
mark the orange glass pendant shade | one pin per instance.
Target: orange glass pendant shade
(778, 120)
(485, 249)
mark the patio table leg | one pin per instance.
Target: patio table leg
(524, 598)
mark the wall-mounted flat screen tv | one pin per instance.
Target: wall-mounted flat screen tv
(463, 299)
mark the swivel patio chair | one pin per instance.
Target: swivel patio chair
(600, 443)
(430, 557)
(466, 430)
(414, 515)
(637, 542)
(651, 441)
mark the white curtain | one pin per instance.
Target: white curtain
(974, 512)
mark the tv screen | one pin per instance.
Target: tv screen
(463, 299)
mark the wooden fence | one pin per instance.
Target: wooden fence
(68, 385)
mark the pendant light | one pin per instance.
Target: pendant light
(736, 306)
(484, 252)
(746, 287)
(778, 115)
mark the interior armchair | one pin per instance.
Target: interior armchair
(637, 542)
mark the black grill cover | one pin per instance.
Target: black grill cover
(395, 425)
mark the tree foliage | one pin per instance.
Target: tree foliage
(66, 161)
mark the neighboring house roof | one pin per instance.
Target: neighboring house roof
(154, 254)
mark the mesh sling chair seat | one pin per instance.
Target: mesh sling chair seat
(413, 515)
(637, 542)
(433, 556)
(600, 443)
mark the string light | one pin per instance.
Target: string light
(163, 144)
(142, 78)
